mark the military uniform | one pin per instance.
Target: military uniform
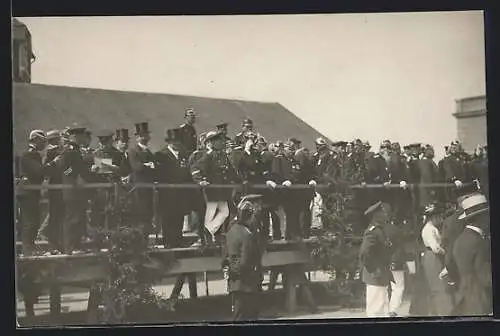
(400, 198)
(32, 173)
(56, 201)
(376, 253)
(453, 169)
(215, 167)
(197, 201)
(479, 172)
(243, 255)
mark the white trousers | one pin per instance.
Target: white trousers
(215, 215)
(377, 301)
(397, 290)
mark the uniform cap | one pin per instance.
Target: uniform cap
(222, 125)
(295, 141)
(320, 142)
(212, 135)
(247, 121)
(189, 112)
(395, 145)
(37, 134)
(53, 134)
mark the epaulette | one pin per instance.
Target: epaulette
(182, 126)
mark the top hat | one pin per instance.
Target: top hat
(122, 134)
(142, 128)
(473, 205)
(104, 134)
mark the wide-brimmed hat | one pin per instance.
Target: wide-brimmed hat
(473, 205)
(221, 125)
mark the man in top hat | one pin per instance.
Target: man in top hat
(214, 167)
(188, 135)
(246, 129)
(143, 164)
(32, 172)
(122, 140)
(375, 255)
(472, 255)
(243, 259)
(56, 203)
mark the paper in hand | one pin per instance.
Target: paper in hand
(103, 164)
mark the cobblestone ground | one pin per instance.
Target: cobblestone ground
(75, 300)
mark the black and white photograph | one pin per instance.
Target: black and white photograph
(250, 168)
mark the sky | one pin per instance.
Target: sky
(371, 76)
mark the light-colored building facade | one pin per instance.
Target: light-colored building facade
(471, 122)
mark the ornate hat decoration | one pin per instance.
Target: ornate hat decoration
(53, 134)
(189, 112)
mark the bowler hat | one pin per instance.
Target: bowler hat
(142, 128)
(122, 134)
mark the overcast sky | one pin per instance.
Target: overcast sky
(372, 76)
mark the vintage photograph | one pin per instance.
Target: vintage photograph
(188, 169)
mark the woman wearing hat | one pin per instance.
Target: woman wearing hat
(472, 255)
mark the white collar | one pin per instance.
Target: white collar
(476, 229)
(176, 153)
(143, 147)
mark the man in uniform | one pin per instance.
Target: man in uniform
(398, 174)
(429, 173)
(142, 162)
(375, 255)
(189, 138)
(222, 128)
(106, 171)
(56, 202)
(122, 140)
(479, 169)
(74, 172)
(214, 167)
(243, 260)
(31, 173)
(246, 129)
(454, 170)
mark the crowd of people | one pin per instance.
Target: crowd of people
(226, 169)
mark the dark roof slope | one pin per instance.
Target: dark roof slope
(47, 107)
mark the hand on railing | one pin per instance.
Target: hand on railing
(204, 183)
(271, 184)
(287, 183)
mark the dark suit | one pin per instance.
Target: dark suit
(376, 172)
(452, 229)
(188, 138)
(56, 202)
(174, 203)
(453, 169)
(472, 255)
(138, 156)
(400, 198)
(124, 165)
(31, 172)
(244, 258)
(479, 171)
(429, 173)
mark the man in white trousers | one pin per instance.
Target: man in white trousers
(214, 167)
(375, 255)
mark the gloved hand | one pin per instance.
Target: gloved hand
(271, 184)
(204, 183)
(402, 184)
(458, 183)
(287, 183)
(312, 183)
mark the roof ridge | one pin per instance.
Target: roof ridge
(145, 93)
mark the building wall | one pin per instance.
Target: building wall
(471, 122)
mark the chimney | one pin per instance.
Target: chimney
(22, 53)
